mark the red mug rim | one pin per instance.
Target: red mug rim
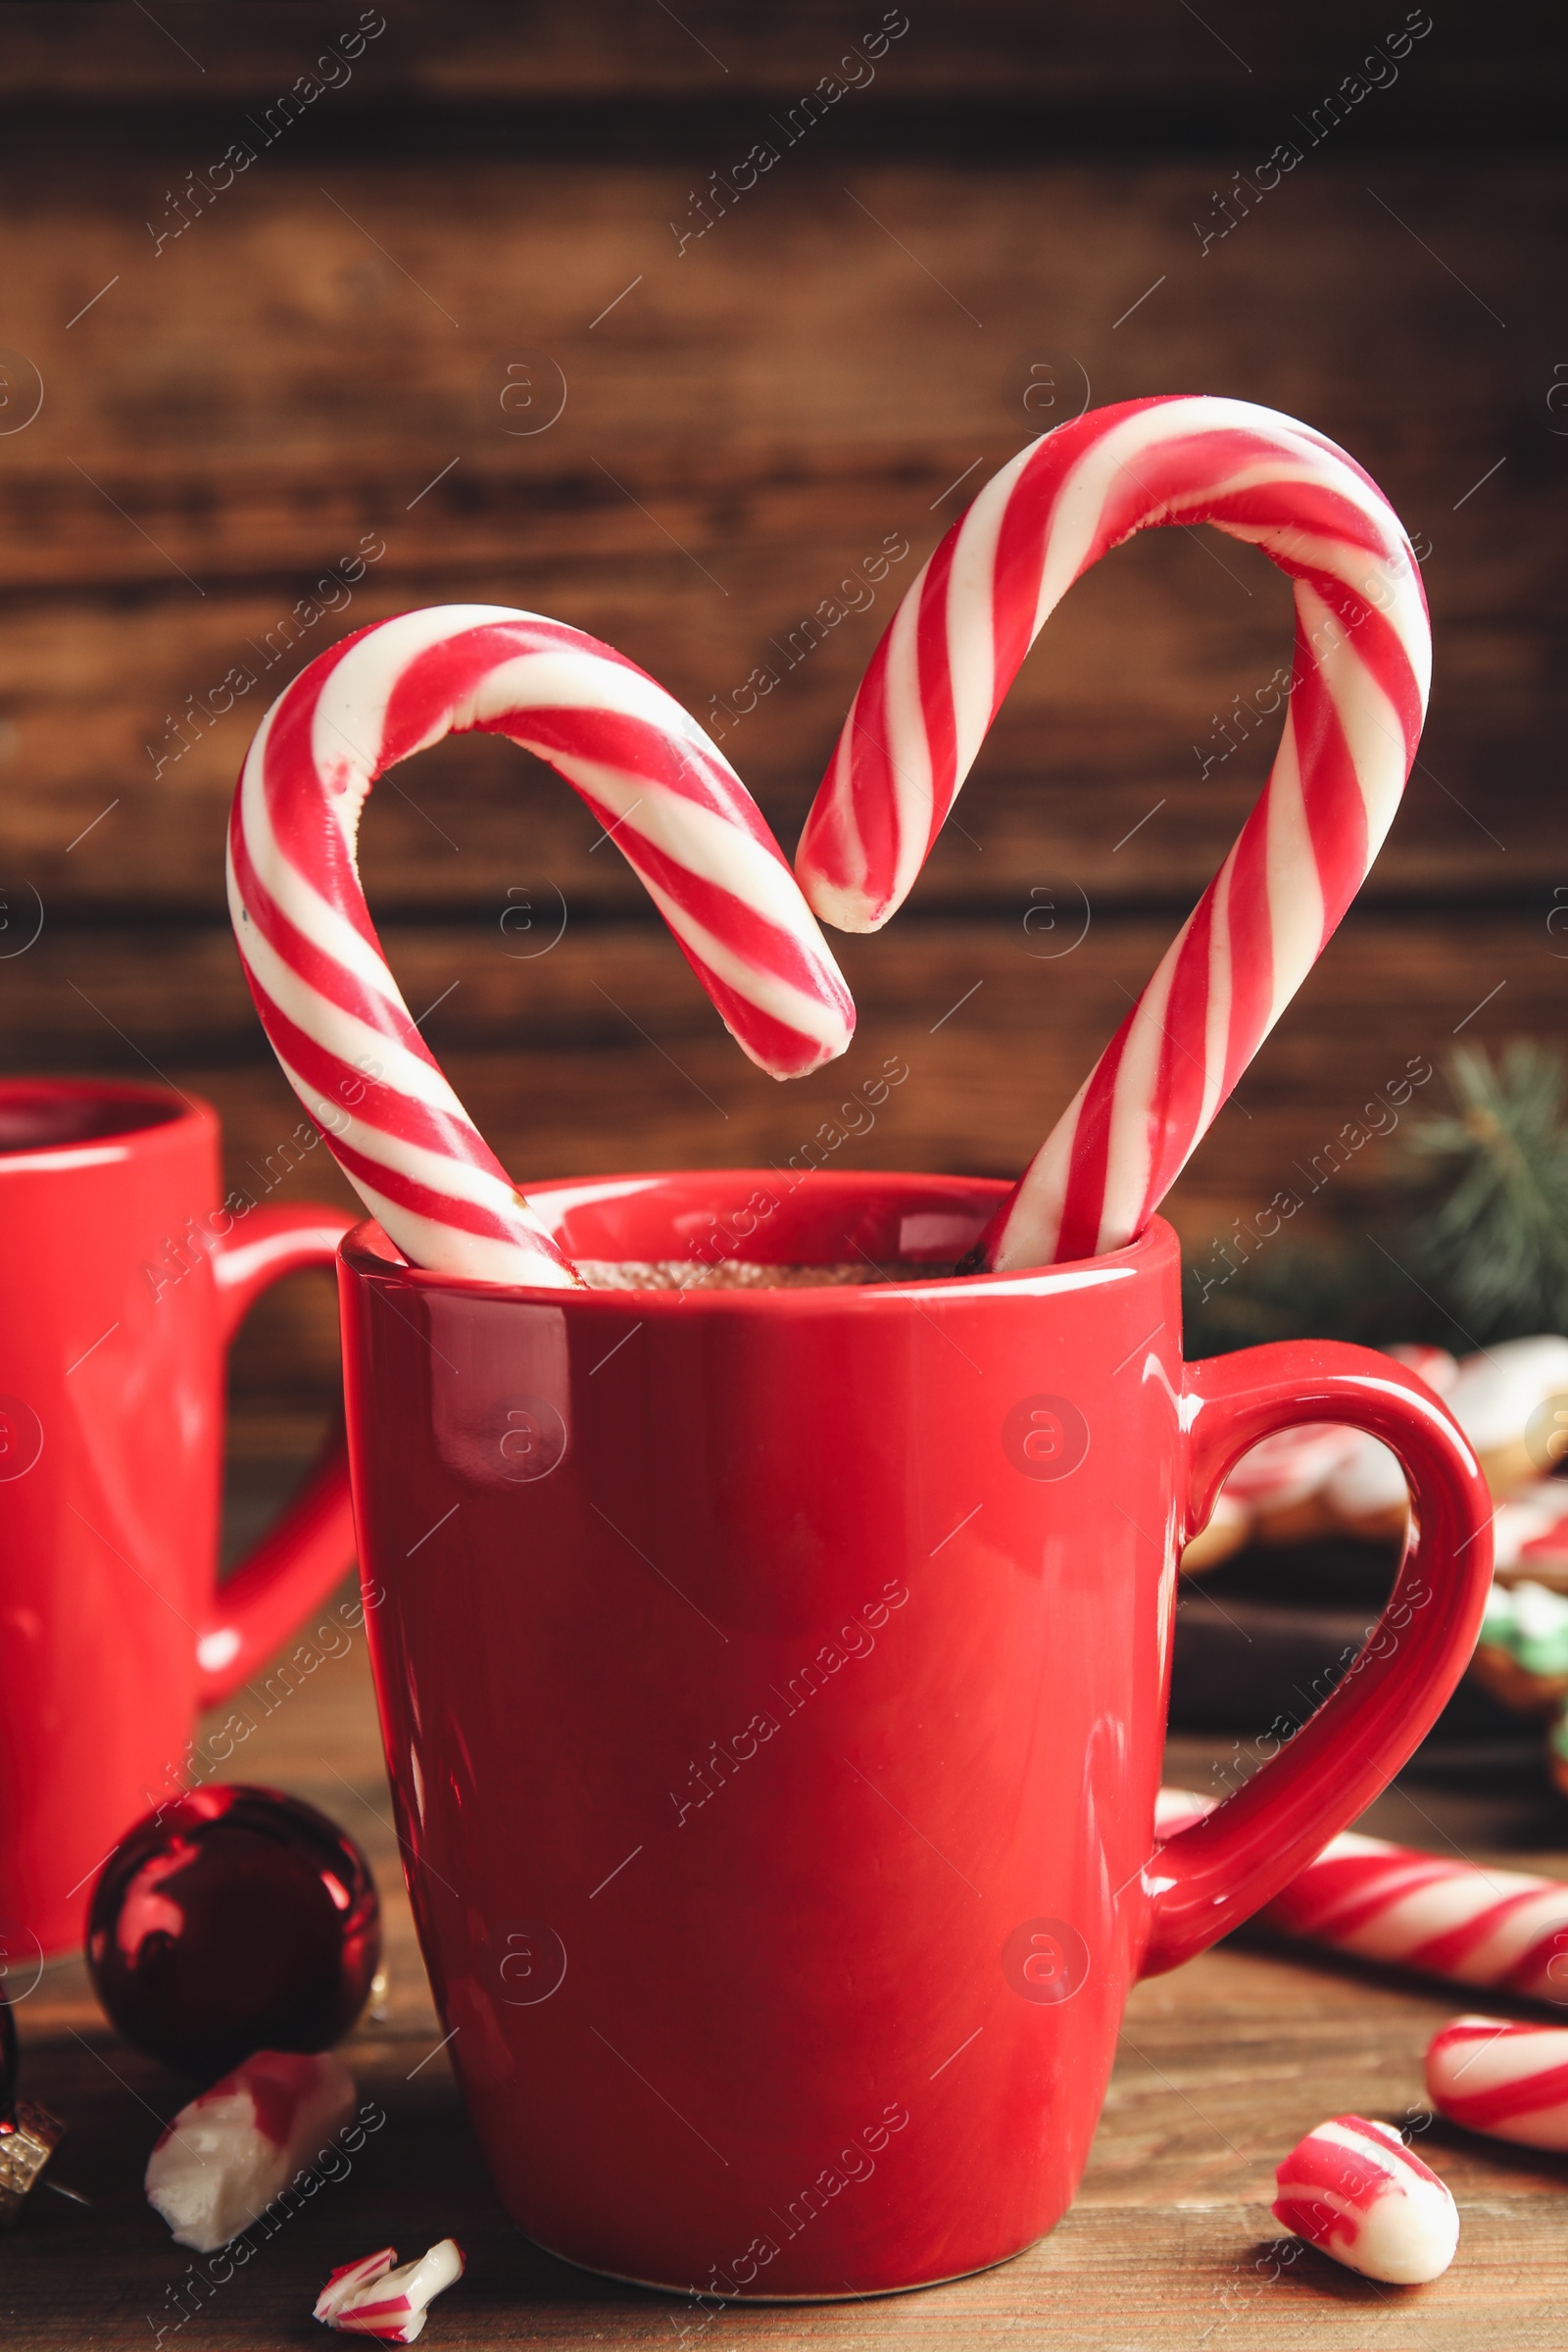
(91, 1122)
(366, 1250)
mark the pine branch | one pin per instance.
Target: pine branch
(1486, 1257)
(1494, 1245)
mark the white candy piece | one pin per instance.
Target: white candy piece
(1499, 2075)
(369, 2297)
(1352, 2189)
(230, 2152)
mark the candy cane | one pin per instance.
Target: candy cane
(231, 2151)
(1357, 698)
(1352, 2189)
(1497, 2075)
(334, 1015)
(1502, 1928)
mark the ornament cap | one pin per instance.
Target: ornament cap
(27, 2139)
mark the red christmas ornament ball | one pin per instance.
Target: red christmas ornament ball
(233, 1920)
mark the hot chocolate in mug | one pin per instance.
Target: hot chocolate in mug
(123, 1279)
(773, 1683)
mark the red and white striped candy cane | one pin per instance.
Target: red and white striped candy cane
(1503, 1928)
(1352, 2189)
(1499, 2075)
(1357, 698)
(334, 1013)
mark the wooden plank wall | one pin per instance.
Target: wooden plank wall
(272, 409)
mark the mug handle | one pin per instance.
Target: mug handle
(1208, 1878)
(300, 1558)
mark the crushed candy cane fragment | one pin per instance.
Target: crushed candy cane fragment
(369, 2297)
(1352, 2189)
(1506, 2078)
(348, 2281)
(231, 2151)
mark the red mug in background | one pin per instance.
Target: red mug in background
(121, 1283)
(773, 1685)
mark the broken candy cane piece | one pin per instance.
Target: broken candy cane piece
(230, 2152)
(1352, 2189)
(349, 2280)
(370, 2298)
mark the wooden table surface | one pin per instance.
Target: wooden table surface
(1171, 2244)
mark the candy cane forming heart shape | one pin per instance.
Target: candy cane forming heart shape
(327, 1000)
(687, 825)
(1357, 698)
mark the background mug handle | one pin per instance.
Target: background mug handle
(1208, 1878)
(300, 1558)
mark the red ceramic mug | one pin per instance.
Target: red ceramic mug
(121, 1283)
(773, 1685)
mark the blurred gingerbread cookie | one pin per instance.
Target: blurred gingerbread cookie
(1511, 1401)
(1282, 1481)
(1521, 1656)
(1530, 1535)
(1365, 1495)
(1230, 1523)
